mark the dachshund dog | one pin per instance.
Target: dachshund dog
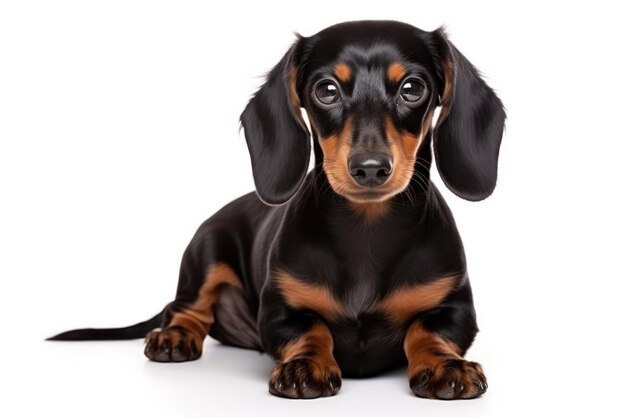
(357, 267)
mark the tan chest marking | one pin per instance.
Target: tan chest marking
(398, 307)
(403, 303)
(302, 295)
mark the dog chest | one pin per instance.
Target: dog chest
(367, 346)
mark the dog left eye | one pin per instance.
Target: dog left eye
(327, 93)
(412, 90)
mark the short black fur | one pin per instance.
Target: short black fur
(316, 235)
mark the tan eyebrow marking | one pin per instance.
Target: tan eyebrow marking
(396, 72)
(343, 72)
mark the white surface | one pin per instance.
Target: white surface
(118, 137)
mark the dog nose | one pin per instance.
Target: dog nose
(370, 170)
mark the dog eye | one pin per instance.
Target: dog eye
(327, 92)
(412, 90)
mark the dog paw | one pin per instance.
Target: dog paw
(305, 378)
(451, 379)
(172, 344)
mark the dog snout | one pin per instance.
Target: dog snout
(370, 170)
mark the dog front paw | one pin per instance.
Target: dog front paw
(450, 379)
(305, 378)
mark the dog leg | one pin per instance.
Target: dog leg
(182, 339)
(437, 369)
(302, 346)
(305, 367)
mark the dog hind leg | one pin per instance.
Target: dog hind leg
(183, 337)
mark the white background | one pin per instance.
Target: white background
(119, 136)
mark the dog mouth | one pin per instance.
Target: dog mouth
(368, 194)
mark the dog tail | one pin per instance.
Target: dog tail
(135, 331)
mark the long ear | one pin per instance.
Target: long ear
(467, 136)
(277, 138)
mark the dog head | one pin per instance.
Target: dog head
(370, 90)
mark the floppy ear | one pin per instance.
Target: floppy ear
(277, 138)
(467, 136)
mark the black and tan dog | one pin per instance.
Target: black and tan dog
(356, 267)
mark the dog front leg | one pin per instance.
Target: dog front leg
(302, 346)
(436, 365)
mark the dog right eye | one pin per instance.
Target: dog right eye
(412, 90)
(327, 93)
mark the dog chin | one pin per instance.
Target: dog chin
(370, 196)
